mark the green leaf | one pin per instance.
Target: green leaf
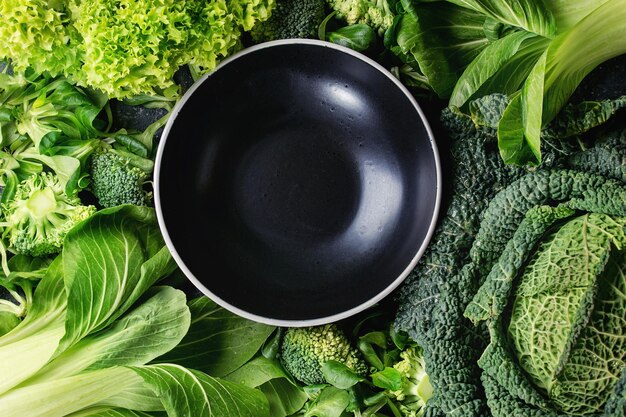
(67, 168)
(109, 262)
(331, 402)
(272, 345)
(370, 355)
(8, 321)
(359, 37)
(388, 378)
(339, 375)
(283, 396)
(487, 63)
(514, 72)
(442, 38)
(257, 372)
(557, 74)
(530, 15)
(152, 328)
(376, 338)
(32, 343)
(104, 411)
(67, 395)
(187, 392)
(218, 341)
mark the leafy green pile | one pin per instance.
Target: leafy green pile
(486, 236)
(102, 338)
(53, 137)
(124, 48)
(537, 53)
(371, 371)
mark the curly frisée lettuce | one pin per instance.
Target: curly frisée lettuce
(124, 48)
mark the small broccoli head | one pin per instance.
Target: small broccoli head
(115, 181)
(290, 19)
(304, 350)
(416, 388)
(375, 13)
(40, 215)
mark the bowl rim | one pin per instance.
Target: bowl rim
(320, 320)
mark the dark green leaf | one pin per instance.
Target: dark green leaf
(257, 372)
(359, 37)
(218, 341)
(370, 355)
(283, 396)
(339, 375)
(272, 344)
(331, 402)
(443, 38)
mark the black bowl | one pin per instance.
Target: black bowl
(298, 183)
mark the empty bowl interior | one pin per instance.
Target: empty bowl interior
(297, 182)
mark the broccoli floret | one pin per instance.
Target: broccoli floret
(116, 180)
(290, 19)
(375, 13)
(416, 388)
(304, 350)
(40, 215)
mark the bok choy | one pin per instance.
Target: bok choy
(98, 324)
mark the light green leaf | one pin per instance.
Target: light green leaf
(218, 341)
(67, 395)
(152, 328)
(519, 129)
(109, 262)
(104, 411)
(185, 392)
(8, 322)
(557, 74)
(531, 15)
(486, 64)
(388, 378)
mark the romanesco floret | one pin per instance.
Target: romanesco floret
(290, 19)
(304, 350)
(375, 13)
(115, 181)
(40, 215)
(416, 388)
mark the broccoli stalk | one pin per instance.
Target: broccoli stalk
(40, 214)
(304, 350)
(416, 388)
(290, 19)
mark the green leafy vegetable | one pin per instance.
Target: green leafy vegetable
(218, 342)
(40, 215)
(533, 16)
(378, 14)
(97, 320)
(359, 37)
(116, 179)
(440, 39)
(117, 47)
(290, 19)
(303, 351)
